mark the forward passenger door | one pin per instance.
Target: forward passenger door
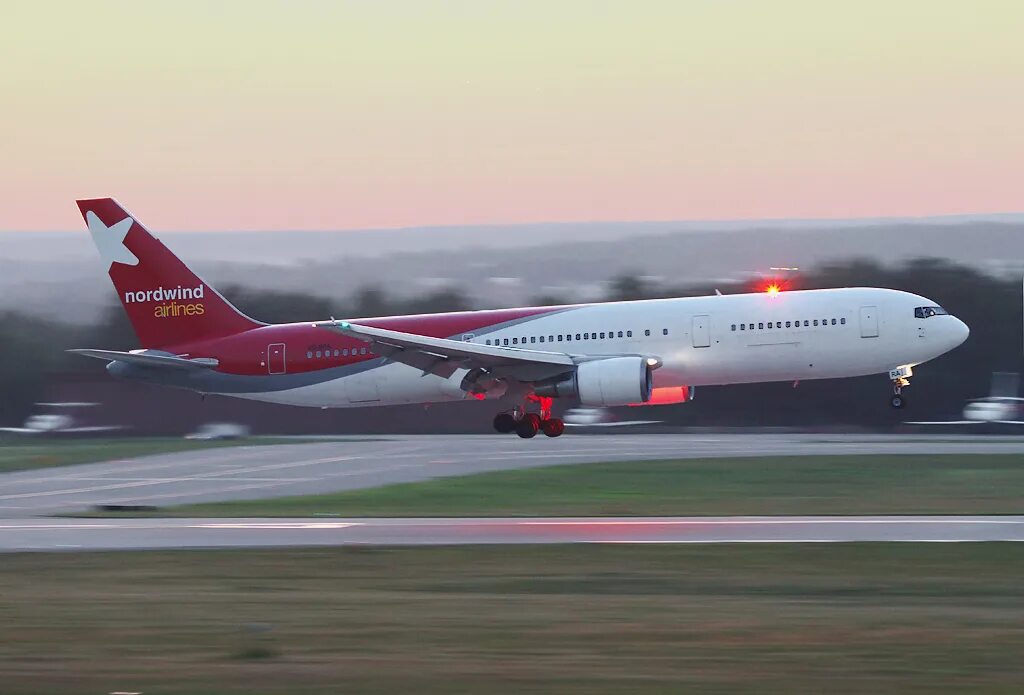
(701, 331)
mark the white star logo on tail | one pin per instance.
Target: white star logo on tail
(110, 240)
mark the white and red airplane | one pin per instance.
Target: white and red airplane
(619, 353)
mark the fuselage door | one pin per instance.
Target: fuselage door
(701, 331)
(275, 358)
(869, 322)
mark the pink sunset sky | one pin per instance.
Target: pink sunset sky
(333, 115)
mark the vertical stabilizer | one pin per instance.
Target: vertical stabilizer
(167, 303)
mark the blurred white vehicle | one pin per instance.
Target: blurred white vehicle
(57, 422)
(219, 430)
(599, 417)
(1001, 407)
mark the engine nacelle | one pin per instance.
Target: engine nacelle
(670, 395)
(608, 382)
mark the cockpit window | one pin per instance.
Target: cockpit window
(924, 312)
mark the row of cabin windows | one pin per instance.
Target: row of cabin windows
(568, 337)
(337, 353)
(788, 324)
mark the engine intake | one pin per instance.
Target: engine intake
(608, 382)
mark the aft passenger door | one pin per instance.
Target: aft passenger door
(869, 322)
(275, 358)
(701, 331)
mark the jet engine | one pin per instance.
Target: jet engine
(607, 382)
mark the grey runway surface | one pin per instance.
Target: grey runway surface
(138, 534)
(253, 472)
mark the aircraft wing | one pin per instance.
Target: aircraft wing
(442, 356)
(19, 430)
(150, 359)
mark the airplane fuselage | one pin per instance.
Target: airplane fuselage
(712, 340)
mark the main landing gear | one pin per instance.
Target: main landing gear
(527, 425)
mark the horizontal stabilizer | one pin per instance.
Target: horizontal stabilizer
(149, 359)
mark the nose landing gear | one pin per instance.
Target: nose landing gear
(899, 377)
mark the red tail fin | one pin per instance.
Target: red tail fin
(166, 302)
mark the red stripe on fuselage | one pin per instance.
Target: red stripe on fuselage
(246, 353)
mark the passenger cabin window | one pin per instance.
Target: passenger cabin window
(629, 334)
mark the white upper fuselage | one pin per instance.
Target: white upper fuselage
(746, 338)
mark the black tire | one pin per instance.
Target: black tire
(505, 423)
(898, 401)
(527, 428)
(553, 427)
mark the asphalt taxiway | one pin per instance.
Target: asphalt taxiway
(254, 472)
(143, 534)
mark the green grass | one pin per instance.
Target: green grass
(568, 619)
(947, 484)
(23, 454)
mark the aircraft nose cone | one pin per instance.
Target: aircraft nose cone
(960, 332)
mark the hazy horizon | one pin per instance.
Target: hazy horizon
(1009, 216)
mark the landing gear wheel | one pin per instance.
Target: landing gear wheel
(505, 422)
(528, 426)
(897, 401)
(552, 427)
